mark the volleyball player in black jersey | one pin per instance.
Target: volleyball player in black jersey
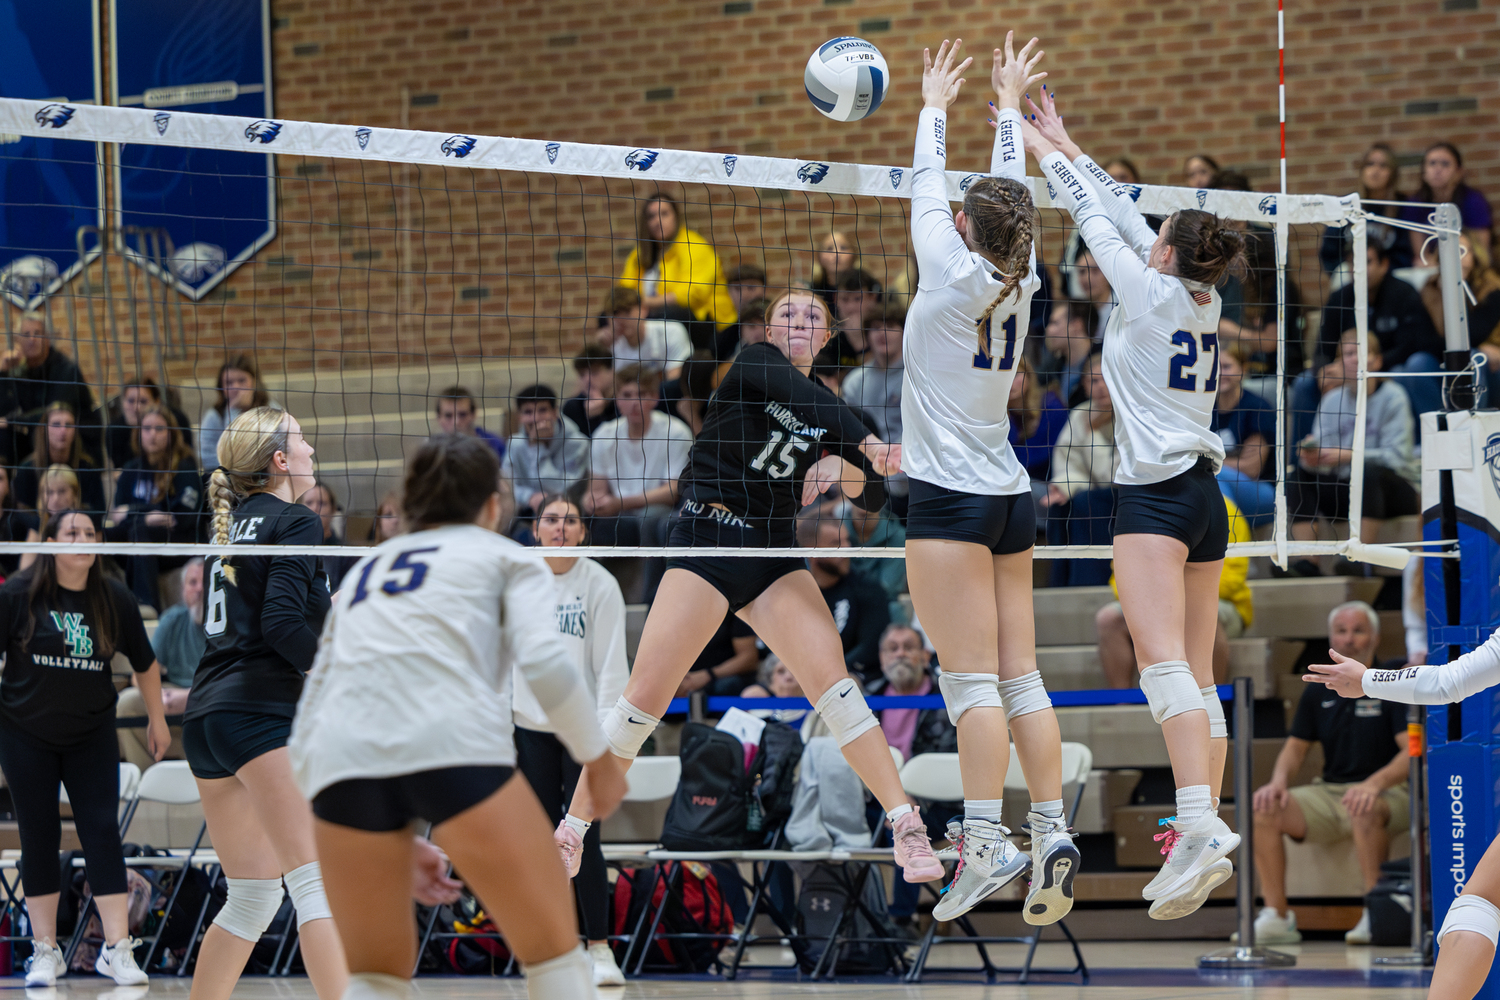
(760, 459)
(263, 616)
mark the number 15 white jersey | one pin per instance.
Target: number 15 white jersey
(955, 400)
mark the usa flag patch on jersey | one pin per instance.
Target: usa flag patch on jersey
(1202, 298)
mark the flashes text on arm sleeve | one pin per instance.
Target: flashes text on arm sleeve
(941, 253)
(1127, 274)
(1439, 683)
(1119, 206)
(1008, 159)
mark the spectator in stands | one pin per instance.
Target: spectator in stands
(1362, 794)
(1249, 314)
(1080, 496)
(59, 492)
(594, 402)
(158, 498)
(836, 253)
(1379, 180)
(774, 679)
(751, 330)
(125, 417)
(457, 413)
(1122, 169)
(747, 285)
(386, 524)
(857, 297)
(549, 454)
(240, 389)
(1477, 268)
(33, 375)
(659, 344)
(675, 271)
(875, 386)
(1321, 485)
(1198, 170)
(1246, 424)
(1443, 182)
(1094, 287)
(860, 610)
(1071, 332)
(727, 664)
(322, 502)
(1236, 613)
(880, 529)
(1398, 317)
(57, 441)
(634, 462)
(13, 524)
(179, 643)
(906, 670)
(700, 376)
(1037, 417)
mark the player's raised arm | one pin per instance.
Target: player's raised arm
(940, 250)
(1011, 75)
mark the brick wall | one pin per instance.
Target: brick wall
(380, 266)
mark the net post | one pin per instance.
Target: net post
(1361, 384)
(1279, 527)
(1459, 394)
(1416, 717)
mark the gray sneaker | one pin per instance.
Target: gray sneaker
(987, 860)
(1188, 901)
(1190, 851)
(1054, 863)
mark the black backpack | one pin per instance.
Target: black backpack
(1389, 903)
(820, 903)
(718, 806)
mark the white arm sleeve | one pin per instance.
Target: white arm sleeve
(1127, 274)
(529, 616)
(1439, 683)
(1009, 156)
(1119, 206)
(941, 253)
(607, 642)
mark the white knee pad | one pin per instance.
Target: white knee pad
(566, 977)
(250, 907)
(1472, 913)
(626, 727)
(1218, 728)
(1024, 695)
(843, 708)
(305, 886)
(962, 692)
(1170, 689)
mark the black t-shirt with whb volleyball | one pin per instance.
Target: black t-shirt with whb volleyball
(263, 628)
(58, 688)
(766, 424)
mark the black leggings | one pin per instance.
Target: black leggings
(553, 776)
(91, 772)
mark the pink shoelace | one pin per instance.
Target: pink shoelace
(1171, 837)
(958, 845)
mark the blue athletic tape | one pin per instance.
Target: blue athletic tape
(1060, 699)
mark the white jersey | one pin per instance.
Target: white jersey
(1161, 344)
(1439, 683)
(954, 406)
(414, 667)
(591, 624)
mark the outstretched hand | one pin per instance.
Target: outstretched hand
(1036, 143)
(1050, 124)
(941, 78)
(1011, 74)
(1344, 676)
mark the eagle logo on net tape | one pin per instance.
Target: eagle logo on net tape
(362, 136)
(1267, 205)
(896, 174)
(263, 131)
(641, 159)
(458, 146)
(1202, 196)
(812, 173)
(968, 182)
(55, 115)
(552, 148)
(729, 161)
(162, 119)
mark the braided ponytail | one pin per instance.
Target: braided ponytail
(1001, 218)
(221, 501)
(245, 452)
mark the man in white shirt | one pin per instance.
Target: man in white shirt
(661, 345)
(634, 464)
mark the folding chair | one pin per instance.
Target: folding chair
(936, 777)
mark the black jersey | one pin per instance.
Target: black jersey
(766, 424)
(263, 628)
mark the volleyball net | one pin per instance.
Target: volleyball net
(384, 284)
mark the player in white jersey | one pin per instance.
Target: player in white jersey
(1471, 929)
(1171, 529)
(970, 525)
(406, 715)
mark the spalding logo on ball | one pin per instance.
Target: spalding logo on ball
(846, 79)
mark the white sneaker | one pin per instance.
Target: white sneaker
(1054, 863)
(1190, 850)
(606, 972)
(45, 966)
(1272, 928)
(117, 961)
(987, 860)
(1188, 901)
(1360, 933)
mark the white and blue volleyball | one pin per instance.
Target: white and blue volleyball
(846, 79)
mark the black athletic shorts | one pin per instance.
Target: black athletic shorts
(218, 744)
(1002, 524)
(1188, 507)
(380, 805)
(740, 579)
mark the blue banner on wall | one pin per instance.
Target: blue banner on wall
(48, 187)
(216, 208)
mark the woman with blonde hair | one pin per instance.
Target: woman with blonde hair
(263, 618)
(59, 492)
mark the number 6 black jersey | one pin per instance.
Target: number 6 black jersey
(766, 424)
(263, 628)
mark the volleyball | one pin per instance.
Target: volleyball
(846, 79)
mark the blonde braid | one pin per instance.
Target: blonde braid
(245, 450)
(221, 499)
